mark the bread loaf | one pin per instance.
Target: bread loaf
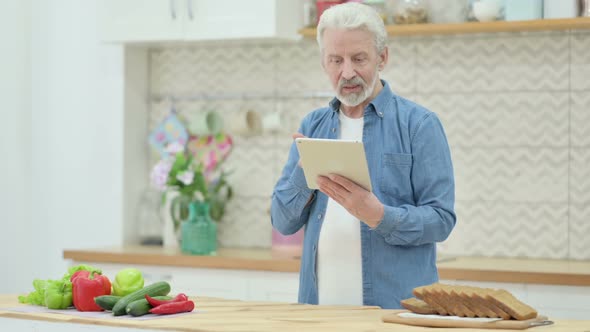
(466, 301)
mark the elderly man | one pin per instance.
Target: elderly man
(363, 247)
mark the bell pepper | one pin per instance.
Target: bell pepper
(58, 294)
(86, 287)
(127, 281)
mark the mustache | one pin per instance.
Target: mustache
(353, 81)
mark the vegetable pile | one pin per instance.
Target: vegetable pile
(87, 289)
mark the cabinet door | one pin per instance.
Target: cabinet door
(233, 19)
(140, 20)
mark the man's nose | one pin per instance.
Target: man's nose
(348, 70)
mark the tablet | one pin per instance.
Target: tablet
(321, 156)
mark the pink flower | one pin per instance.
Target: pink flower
(159, 175)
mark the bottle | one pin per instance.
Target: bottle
(410, 12)
(199, 231)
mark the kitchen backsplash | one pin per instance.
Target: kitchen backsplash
(515, 106)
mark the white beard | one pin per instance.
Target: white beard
(355, 98)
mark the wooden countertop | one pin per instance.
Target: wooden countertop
(534, 271)
(229, 315)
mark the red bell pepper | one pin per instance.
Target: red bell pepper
(173, 308)
(155, 302)
(86, 287)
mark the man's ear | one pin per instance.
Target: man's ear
(383, 58)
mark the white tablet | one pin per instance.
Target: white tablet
(321, 156)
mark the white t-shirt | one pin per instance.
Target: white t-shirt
(339, 263)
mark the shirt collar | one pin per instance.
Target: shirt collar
(378, 104)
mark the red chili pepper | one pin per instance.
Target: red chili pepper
(86, 287)
(155, 302)
(173, 308)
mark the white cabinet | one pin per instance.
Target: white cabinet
(227, 284)
(140, 20)
(198, 20)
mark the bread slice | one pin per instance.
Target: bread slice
(436, 292)
(480, 297)
(418, 306)
(481, 307)
(457, 292)
(456, 303)
(423, 294)
(511, 305)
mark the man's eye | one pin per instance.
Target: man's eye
(336, 60)
(359, 59)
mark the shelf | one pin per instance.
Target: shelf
(478, 27)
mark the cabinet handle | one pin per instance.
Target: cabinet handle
(189, 7)
(173, 9)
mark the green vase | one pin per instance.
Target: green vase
(199, 231)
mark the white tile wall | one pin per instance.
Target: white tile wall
(515, 106)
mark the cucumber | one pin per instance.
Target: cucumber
(142, 307)
(107, 302)
(159, 288)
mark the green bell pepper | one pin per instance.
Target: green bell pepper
(127, 281)
(58, 294)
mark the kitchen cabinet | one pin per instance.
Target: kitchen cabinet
(132, 21)
(229, 284)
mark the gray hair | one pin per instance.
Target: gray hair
(352, 16)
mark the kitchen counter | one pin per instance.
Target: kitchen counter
(530, 271)
(230, 315)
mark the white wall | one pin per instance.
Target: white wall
(15, 143)
(73, 147)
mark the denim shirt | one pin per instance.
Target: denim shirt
(412, 175)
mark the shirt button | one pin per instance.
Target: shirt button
(380, 113)
(333, 130)
(314, 248)
(319, 216)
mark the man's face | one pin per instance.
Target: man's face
(352, 64)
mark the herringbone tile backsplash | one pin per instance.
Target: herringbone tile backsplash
(515, 106)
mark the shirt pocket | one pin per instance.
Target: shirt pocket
(396, 170)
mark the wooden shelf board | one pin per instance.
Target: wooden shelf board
(579, 23)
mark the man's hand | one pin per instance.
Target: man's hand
(355, 199)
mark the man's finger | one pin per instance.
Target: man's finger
(298, 135)
(343, 182)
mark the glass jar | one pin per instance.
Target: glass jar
(447, 11)
(410, 12)
(287, 245)
(486, 10)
